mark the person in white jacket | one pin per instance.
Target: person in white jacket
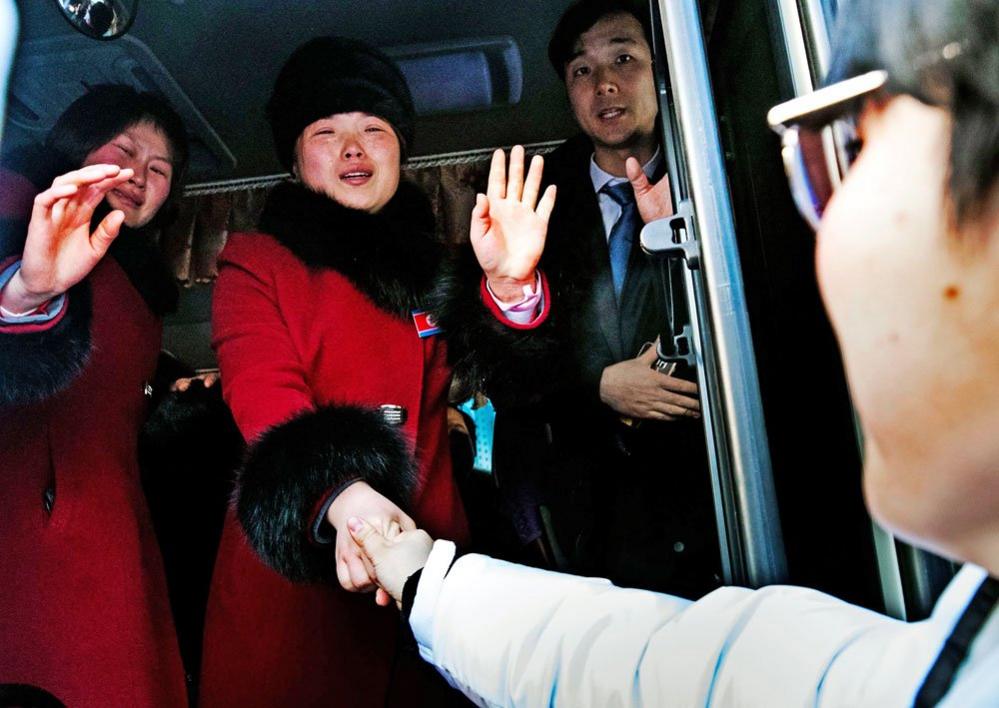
(908, 264)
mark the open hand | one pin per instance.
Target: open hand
(60, 249)
(635, 390)
(353, 569)
(654, 201)
(393, 559)
(509, 224)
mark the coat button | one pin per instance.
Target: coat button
(48, 499)
(147, 390)
(393, 414)
(678, 547)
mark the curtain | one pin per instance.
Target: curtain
(192, 243)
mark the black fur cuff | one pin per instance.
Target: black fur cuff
(292, 469)
(511, 366)
(37, 365)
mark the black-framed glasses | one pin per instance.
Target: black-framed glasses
(819, 139)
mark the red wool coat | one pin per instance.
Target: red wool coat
(84, 612)
(292, 340)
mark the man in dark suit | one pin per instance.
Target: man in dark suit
(616, 450)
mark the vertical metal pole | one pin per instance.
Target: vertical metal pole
(817, 32)
(794, 47)
(728, 363)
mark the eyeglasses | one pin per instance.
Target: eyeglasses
(819, 139)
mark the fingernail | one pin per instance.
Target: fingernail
(355, 524)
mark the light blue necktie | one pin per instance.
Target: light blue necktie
(623, 232)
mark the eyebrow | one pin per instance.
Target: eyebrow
(612, 40)
(127, 134)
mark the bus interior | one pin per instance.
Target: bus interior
(785, 456)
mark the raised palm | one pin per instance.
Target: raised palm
(509, 224)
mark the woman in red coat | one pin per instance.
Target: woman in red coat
(339, 380)
(84, 612)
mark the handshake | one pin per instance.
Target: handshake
(391, 560)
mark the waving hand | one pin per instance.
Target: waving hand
(60, 249)
(509, 224)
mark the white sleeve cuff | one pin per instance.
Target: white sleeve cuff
(36, 316)
(421, 618)
(522, 311)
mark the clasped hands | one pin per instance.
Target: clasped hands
(356, 571)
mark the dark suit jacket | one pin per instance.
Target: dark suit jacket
(631, 504)
(577, 259)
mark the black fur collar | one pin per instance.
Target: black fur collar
(137, 254)
(392, 256)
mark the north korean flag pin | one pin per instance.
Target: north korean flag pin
(426, 325)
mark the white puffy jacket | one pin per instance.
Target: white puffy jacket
(509, 635)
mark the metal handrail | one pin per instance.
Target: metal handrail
(728, 374)
(795, 48)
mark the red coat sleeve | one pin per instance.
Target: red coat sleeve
(300, 454)
(263, 379)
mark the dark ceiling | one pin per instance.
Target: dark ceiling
(224, 55)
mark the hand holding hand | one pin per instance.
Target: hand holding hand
(393, 559)
(507, 231)
(635, 390)
(654, 200)
(353, 570)
(60, 250)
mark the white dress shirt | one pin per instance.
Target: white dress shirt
(609, 209)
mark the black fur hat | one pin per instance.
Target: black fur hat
(328, 75)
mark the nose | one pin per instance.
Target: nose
(606, 83)
(138, 175)
(352, 147)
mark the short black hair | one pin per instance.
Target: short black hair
(943, 53)
(581, 16)
(107, 110)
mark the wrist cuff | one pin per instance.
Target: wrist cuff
(323, 533)
(504, 315)
(45, 314)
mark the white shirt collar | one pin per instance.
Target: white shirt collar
(601, 178)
